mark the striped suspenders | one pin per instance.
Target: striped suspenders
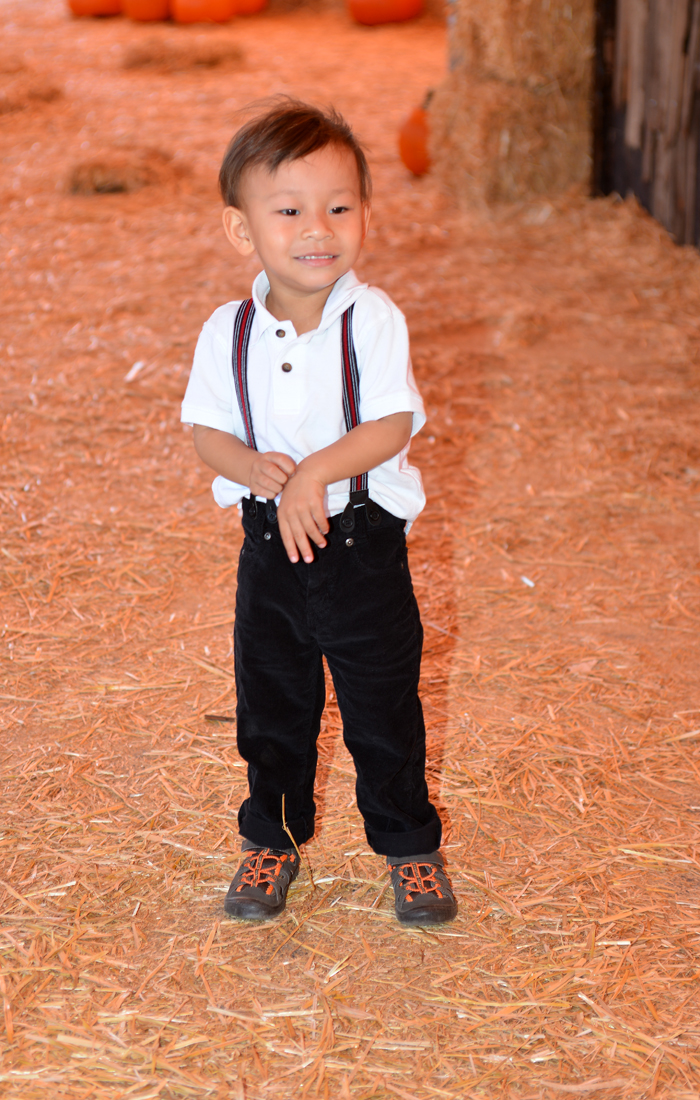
(241, 338)
(351, 399)
(359, 493)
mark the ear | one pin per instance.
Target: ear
(236, 230)
(366, 216)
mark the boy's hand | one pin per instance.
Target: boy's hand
(265, 474)
(301, 516)
(269, 473)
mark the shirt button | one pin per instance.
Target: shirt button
(280, 332)
(286, 367)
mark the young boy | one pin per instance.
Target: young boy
(303, 401)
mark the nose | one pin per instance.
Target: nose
(317, 227)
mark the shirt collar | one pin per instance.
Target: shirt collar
(345, 291)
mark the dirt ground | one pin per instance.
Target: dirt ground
(557, 346)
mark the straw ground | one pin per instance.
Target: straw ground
(557, 570)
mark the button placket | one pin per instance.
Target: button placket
(288, 376)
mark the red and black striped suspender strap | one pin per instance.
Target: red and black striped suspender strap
(351, 399)
(239, 361)
(351, 382)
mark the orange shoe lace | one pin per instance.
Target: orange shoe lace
(262, 869)
(415, 882)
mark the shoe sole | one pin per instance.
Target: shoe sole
(428, 915)
(251, 910)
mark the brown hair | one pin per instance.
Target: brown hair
(289, 130)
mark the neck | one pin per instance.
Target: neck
(303, 310)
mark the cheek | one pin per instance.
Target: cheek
(354, 233)
(283, 233)
(275, 240)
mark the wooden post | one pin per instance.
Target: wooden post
(652, 111)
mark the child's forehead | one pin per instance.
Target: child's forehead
(333, 168)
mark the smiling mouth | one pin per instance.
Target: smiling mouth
(318, 256)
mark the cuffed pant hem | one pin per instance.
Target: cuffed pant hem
(250, 845)
(419, 857)
(267, 834)
(402, 845)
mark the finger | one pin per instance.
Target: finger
(272, 486)
(288, 540)
(263, 487)
(307, 527)
(274, 473)
(267, 480)
(286, 464)
(276, 477)
(321, 521)
(311, 512)
(300, 538)
(313, 530)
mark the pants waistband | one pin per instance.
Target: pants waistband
(364, 516)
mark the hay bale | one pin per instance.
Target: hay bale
(20, 88)
(120, 171)
(164, 56)
(512, 120)
(530, 42)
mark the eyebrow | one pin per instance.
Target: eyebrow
(291, 191)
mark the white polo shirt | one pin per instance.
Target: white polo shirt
(300, 411)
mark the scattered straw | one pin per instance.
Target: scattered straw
(296, 846)
(556, 348)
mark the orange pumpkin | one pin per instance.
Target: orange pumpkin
(146, 11)
(248, 7)
(202, 11)
(95, 7)
(413, 141)
(371, 12)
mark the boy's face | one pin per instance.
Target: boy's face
(306, 221)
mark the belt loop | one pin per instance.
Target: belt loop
(252, 507)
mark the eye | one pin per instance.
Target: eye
(289, 211)
(339, 209)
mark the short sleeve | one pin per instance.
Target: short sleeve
(209, 397)
(387, 384)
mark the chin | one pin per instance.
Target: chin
(322, 280)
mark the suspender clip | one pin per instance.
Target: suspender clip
(347, 520)
(271, 511)
(374, 515)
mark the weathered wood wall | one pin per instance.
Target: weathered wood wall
(648, 122)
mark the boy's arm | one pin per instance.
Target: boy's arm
(264, 474)
(301, 512)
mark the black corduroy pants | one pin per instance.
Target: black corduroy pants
(354, 605)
